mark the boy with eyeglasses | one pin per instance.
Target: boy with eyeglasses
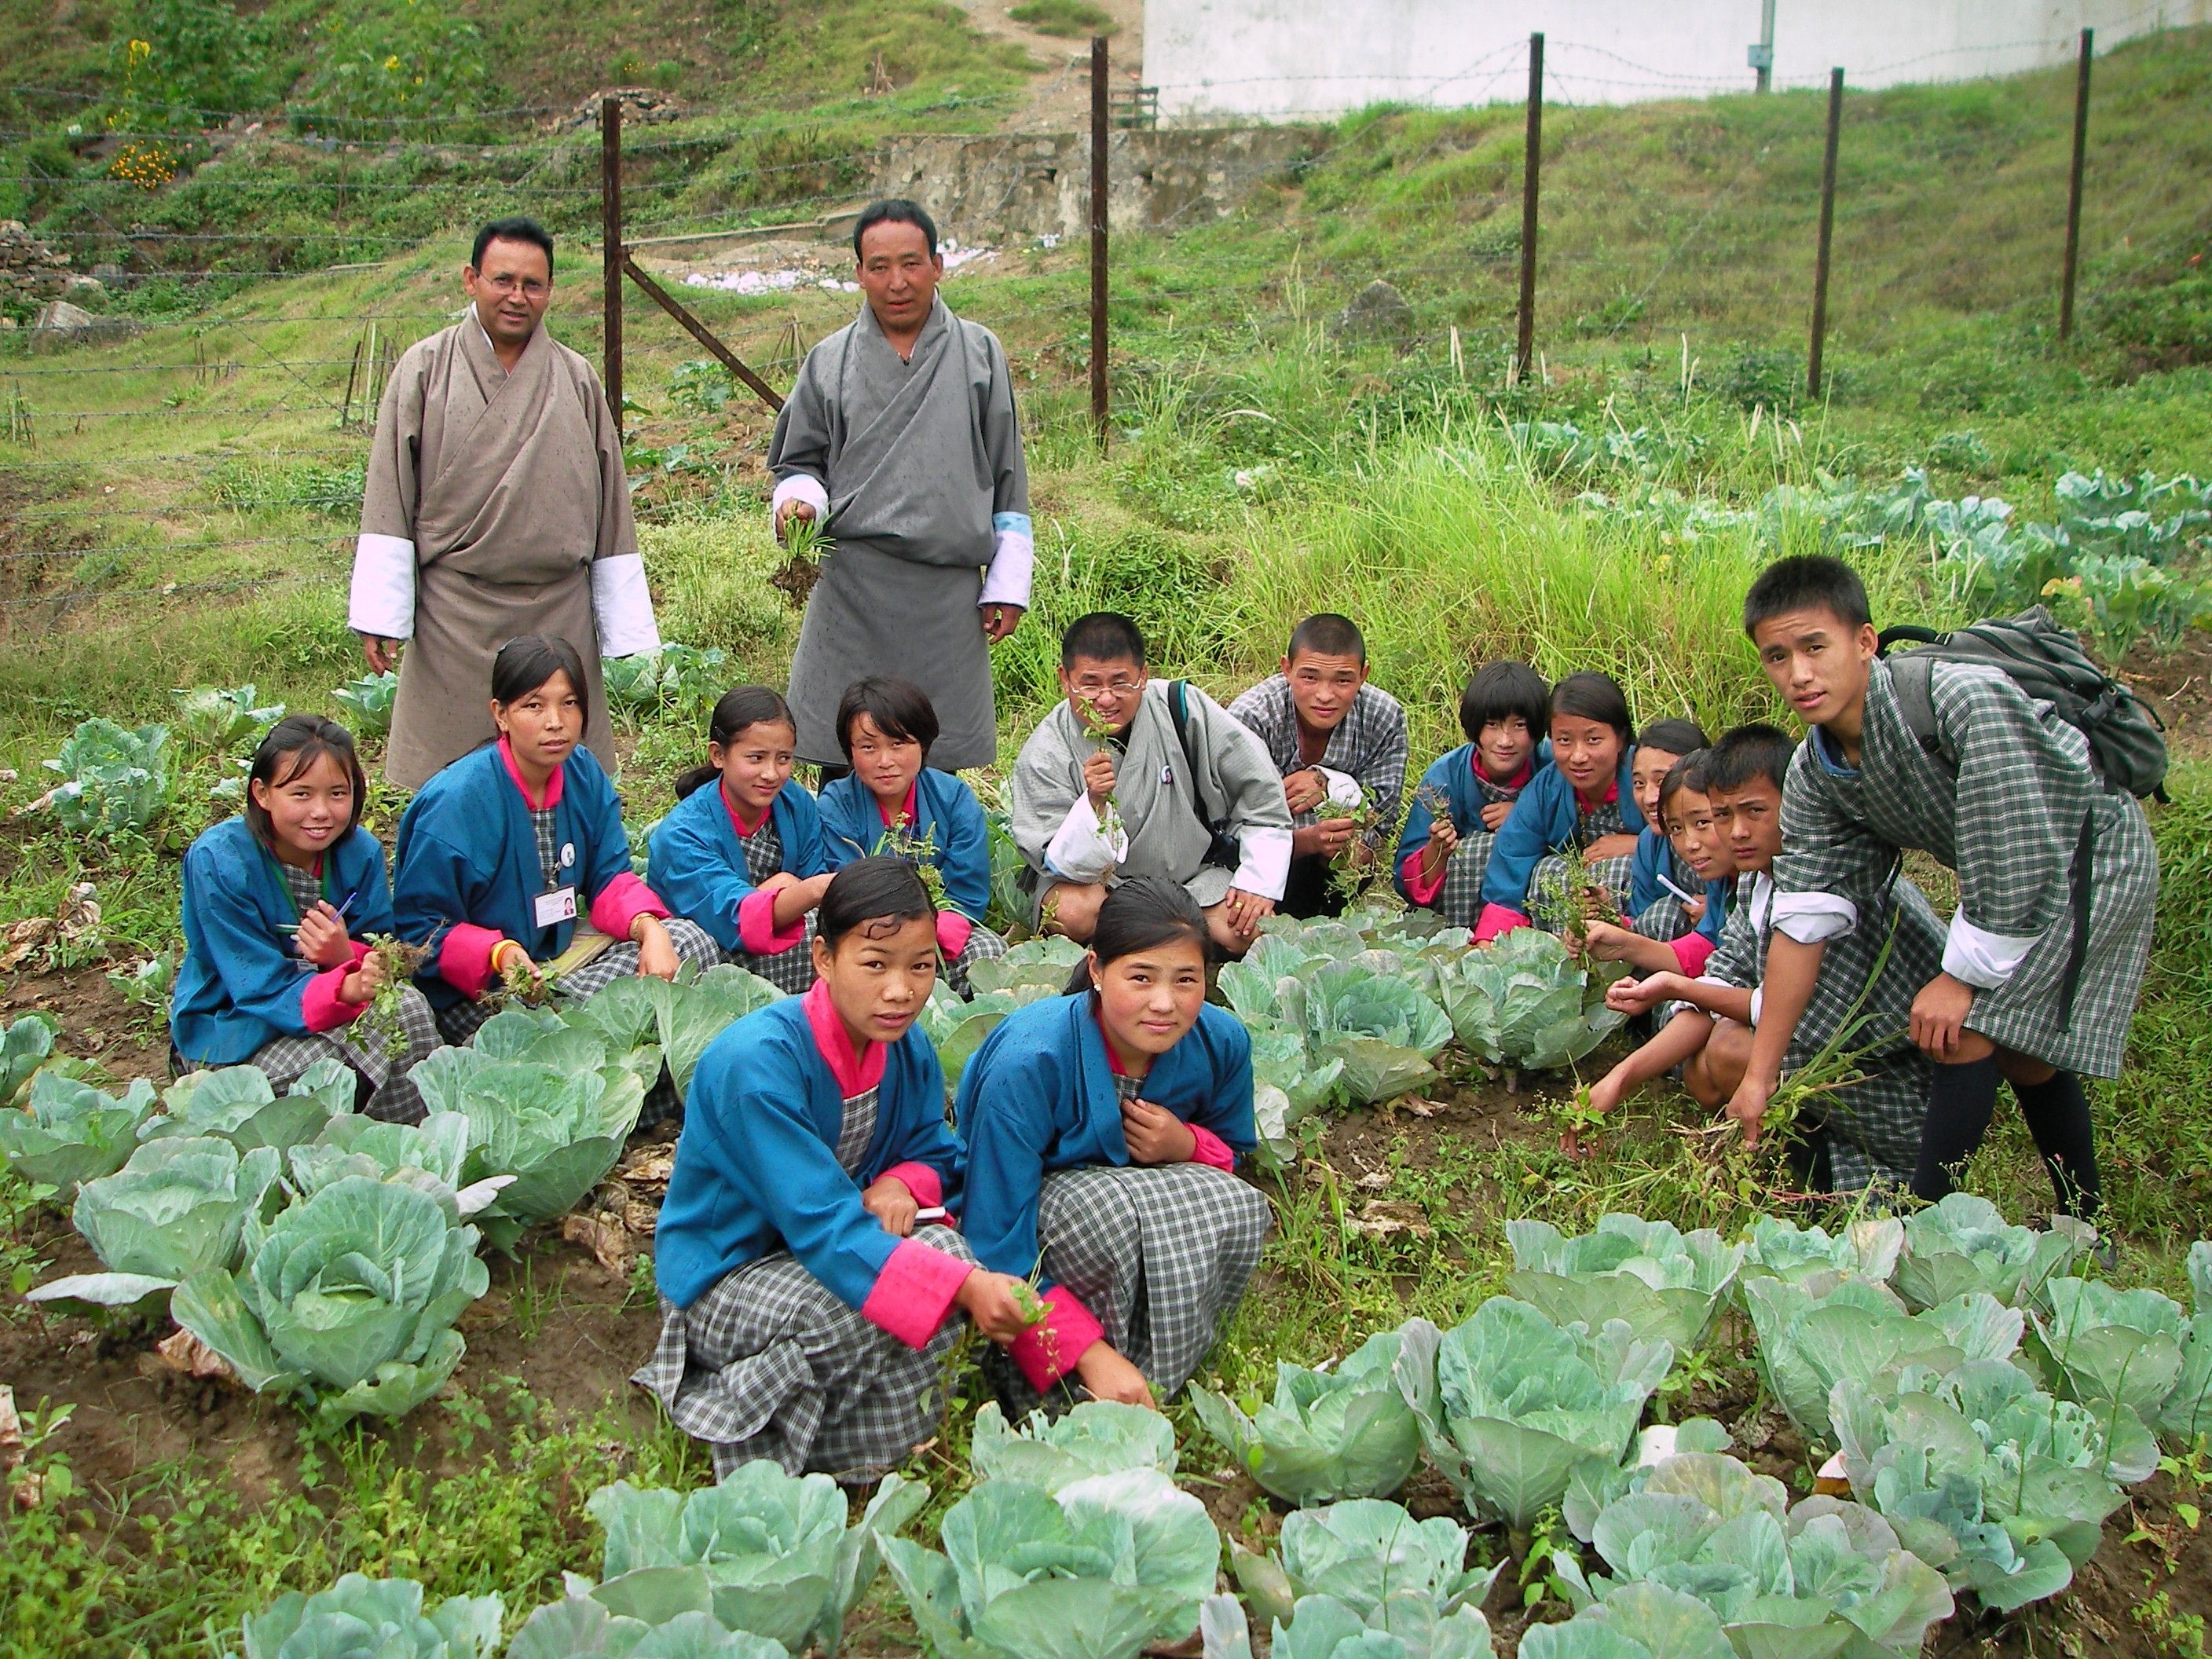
(1130, 776)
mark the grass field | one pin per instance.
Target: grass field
(184, 513)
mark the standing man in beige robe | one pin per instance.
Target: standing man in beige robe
(495, 506)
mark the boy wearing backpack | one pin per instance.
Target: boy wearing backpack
(1134, 776)
(2057, 874)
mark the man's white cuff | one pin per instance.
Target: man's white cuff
(1079, 852)
(1265, 868)
(1980, 959)
(798, 486)
(1810, 918)
(382, 603)
(623, 604)
(1013, 561)
(1343, 789)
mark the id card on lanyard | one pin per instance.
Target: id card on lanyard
(558, 905)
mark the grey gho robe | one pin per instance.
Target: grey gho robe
(495, 506)
(914, 468)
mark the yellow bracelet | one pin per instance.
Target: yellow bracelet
(504, 945)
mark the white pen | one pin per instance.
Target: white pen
(1686, 898)
(929, 1213)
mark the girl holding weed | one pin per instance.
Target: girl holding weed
(1464, 799)
(893, 801)
(504, 851)
(1659, 878)
(810, 1288)
(1697, 846)
(744, 858)
(277, 901)
(1571, 837)
(1102, 1130)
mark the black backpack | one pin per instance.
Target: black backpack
(2046, 661)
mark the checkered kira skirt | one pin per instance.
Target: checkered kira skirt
(769, 1362)
(1159, 1254)
(380, 1063)
(982, 945)
(790, 971)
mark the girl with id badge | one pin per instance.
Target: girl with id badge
(277, 902)
(514, 857)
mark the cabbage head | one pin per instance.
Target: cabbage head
(1099, 1437)
(1665, 1283)
(26, 1045)
(690, 1013)
(2188, 1409)
(1368, 1556)
(1045, 963)
(1801, 1582)
(347, 1298)
(1383, 1029)
(2103, 1345)
(1637, 1620)
(764, 1552)
(1522, 1002)
(238, 1104)
(1866, 1248)
(1595, 1482)
(1814, 1334)
(433, 1155)
(1322, 1627)
(1099, 1570)
(382, 1616)
(1987, 1478)
(578, 1627)
(543, 1105)
(956, 1029)
(1962, 1244)
(69, 1133)
(179, 1205)
(1327, 1434)
(1509, 1403)
(117, 777)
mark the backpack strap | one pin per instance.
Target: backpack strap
(1179, 711)
(1909, 679)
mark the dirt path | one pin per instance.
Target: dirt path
(1060, 98)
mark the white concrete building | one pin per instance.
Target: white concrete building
(1217, 60)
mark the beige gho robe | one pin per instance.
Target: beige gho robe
(495, 506)
(914, 466)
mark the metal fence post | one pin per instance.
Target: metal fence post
(1827, 235)
(2074, 186)
(1098, 213)
(611, 237)
(1532, 166)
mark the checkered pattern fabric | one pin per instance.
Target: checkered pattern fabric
(982, 945)
(1550, 877)
(768, 1364)
(2005, 811)
(1664, 919)
(303, 887)
(549, 845)
(792, 970)
(1874, 1127)
(1370, 745)
(381, 1064)
(1459, 901)
(1159, 1254)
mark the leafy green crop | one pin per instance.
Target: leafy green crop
(1665, 1283)
(69, 1133)
(1045, 963)
(2188, 1409)
(1986, 1478)
(544, 1105)
(237, 1104)
(432, 1155)
(1509, 1403)
(578, 1627)
(348, 1299)
(682, 677)
(1521, 1001)
(1383, 1029)
(359, 1617)
(26, 1045)
(1367, 1555)
(1322, 1627)
(115, 779)
(1813, 1335)
(1635, 1621)
(179, 1207)
(764, 1552)
(956, 1029)
(366, 702)
(1802, 1582)
(1866, 1248)
(1096, 1571)
(218, 721)
(2103, 1345)
(1963, 1243)
(1097, 1436)
(1327, 1435)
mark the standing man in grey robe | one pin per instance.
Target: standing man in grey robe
(901, 441)
(495, 506)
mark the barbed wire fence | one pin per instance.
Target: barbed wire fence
(101, 509)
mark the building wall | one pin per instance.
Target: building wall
(1284, 59)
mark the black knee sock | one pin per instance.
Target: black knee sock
(1960, 1107)
(2057, 1115)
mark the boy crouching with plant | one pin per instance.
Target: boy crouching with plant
(1862, 1084)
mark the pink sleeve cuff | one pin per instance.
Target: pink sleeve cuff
(952, 932)
(756, 929)
(1048, 1352)
(621, 903)
(924, 1182)
(1420, 891)
(914, 1291)
(1693, 951)
(1211, 1149)
(321, 1008)
(465, 957)
(1496, 920)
